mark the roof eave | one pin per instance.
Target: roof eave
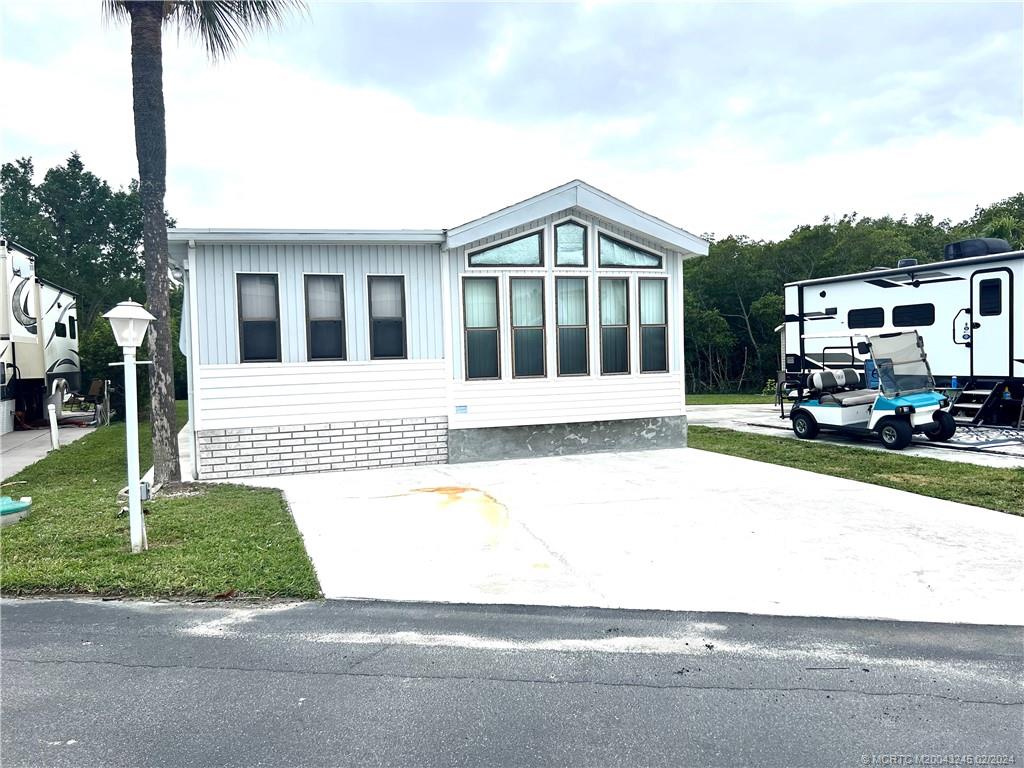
(420, 236)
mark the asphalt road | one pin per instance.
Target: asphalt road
(86, 682)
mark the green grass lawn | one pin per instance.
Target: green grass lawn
(728, 399)
(204, 541)
(1001, 489)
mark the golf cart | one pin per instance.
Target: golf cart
(902, 403)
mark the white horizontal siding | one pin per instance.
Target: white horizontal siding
(565, 400)
(280, 394)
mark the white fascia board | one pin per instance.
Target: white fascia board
(538, 207)
(429, 236)
(606, 206)
(578, 194)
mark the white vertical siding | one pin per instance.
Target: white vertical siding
(218, 264)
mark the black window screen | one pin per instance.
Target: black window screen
(990, 297)
(912, 315)
(387, 317)
(872, 317)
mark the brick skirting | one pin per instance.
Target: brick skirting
(250, 451)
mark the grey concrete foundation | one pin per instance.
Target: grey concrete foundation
(491, 443)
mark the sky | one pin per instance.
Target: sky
(723, 118)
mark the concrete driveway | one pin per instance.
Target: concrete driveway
(672, 529)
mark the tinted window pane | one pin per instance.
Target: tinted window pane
(572, 351)
(910, 315)
(481, 354)
(325, 340)
(653, 355)
(259, 340)
(614, 253)
(990, 297)
(73, 326)
(873, 317)
(60, 330)
(523, 252)
(570, 245)
(387, 338)
(614, 350)
(528, 351)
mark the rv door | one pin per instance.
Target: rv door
(991, 319)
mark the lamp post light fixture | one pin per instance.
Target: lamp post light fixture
(129, 321)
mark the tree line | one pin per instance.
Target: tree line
(734, 295)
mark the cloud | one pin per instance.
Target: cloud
(375, 133)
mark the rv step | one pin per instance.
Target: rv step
(973, 406)
(964, 422)
(985, 392)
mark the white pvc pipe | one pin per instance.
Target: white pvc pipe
(131, 420)
(54, 439)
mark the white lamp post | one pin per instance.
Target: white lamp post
(129, 321)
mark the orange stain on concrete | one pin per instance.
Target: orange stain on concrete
(492, 510)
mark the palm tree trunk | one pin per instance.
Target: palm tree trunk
(151, 149)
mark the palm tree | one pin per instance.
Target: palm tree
(221, 25)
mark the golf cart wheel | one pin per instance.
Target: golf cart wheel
(946, 428)
(804, 426)
(896, 434)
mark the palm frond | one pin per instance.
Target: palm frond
(222, 25)
(114, 11)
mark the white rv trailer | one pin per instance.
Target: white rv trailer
(38, 338)
(968, 308)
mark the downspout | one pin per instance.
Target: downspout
(193, 352)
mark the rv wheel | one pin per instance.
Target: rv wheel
(805, 426)
(896, 434)
(945, 430)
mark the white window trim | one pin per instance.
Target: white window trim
(545, 246)
(344, 316)
(238, 317)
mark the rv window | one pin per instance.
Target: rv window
(73, 327)
(913, 315)
(480, 313)
(616, 253)
(653, 325)
(259, 332)
(527, 327)
(873, 317)
(525, 251)
(325, 317)
(614, 308)
(60, 330)
(570, 245)
(387, 317)
(990, 297)
(571, 314)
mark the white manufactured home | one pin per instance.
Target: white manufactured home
(552, 326)
(967, 308)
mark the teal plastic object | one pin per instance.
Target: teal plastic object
(9, 506)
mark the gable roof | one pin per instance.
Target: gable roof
(578, 194)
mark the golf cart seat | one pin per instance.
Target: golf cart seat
(841, 387)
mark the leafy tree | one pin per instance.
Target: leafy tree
(221, 26)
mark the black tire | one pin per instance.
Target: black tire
(896, 434)
(804, 426)
(946, 428)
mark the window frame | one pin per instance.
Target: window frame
(641, 324)
(895, 315)
(629, 244)
(601, 326)
(585, 326)
(982, 285)
(538, 232)
(60, 330)
(370, 318)
(853, 327)
(240, 321)
(542, 327)
(586, 243)
(466, 329)
(72, 326)
(344, 322)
